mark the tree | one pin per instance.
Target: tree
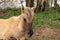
(46, 4)
(55, 3)
(42, 5)
(29, 3)
(39, 5)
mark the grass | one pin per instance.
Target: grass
(8, 12)
(50, 17)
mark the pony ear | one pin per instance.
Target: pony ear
(22, 9)
(33, 8)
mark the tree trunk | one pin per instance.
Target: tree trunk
(39, 5)
(29, 3)
(55, 3)
(42, 5)
(46, 4)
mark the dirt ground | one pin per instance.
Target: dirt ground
(45, 32)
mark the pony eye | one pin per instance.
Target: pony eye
(24, 19)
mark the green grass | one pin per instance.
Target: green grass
(8, 12)
(50, 17)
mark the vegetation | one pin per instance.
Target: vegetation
(8, 12)
(50, 18)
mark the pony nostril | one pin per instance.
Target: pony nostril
(24, 19)
(12, 38)
(30, 33)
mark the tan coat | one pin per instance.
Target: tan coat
(10, 27)
(13, 27)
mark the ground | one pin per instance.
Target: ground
(45, 32)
